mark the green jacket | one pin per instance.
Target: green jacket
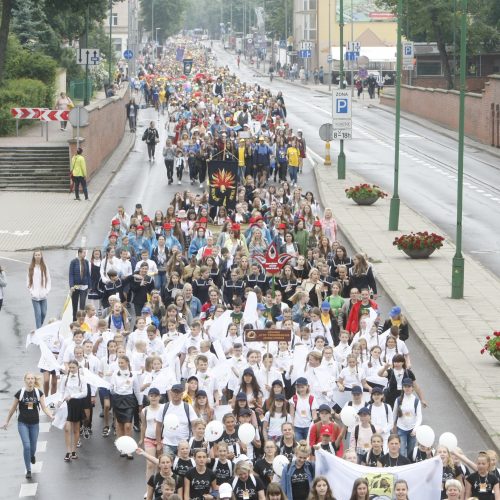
(301, 238)
(78, 166)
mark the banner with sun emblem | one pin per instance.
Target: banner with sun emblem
(222, 177)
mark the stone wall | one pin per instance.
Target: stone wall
(442, 106)
(104, 132)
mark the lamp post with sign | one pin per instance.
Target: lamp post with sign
(395, 201)
(341, 157)
(457, 275)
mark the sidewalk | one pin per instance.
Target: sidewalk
(452, 330)
(52, 220)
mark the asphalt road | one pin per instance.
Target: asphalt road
(100, 473)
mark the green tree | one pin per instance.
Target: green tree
(425, 21)
(7, 6)
(168, 15)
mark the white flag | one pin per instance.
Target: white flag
(423, 478)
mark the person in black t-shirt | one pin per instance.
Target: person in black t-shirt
(394, 458)
(246, 486)
(264, 466)
(482, 484)
(200, 480)
(222, 466)
(28, 399)
(374, 456)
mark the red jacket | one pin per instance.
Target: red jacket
(315, 438)
(352, 325)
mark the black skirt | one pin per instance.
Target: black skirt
(123, 407)
(75, 410)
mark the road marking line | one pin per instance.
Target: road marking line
(472, 187)
(37, 468)
(488, 195)
(495, 199)
(480, 191)
(28, 490)
(44, 426)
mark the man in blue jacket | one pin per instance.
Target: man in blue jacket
(262, 161)
(79, 281)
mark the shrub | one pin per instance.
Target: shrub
(20, 93)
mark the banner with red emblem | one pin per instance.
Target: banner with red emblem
(222, 177)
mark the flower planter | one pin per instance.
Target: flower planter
(419, 253)
(365, 200)
(497, 356)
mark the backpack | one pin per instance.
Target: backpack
(295, 398)
(386, 407)
(186, 409)
(400, 401)
(356, 433)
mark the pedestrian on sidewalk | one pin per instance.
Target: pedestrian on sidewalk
(152, 138)
(39, 285)
(132, 111)
(169, 157)
(79, 173)
(29, 399)
(64, 103)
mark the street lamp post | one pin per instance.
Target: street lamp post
(156, 36)
(341, 157)
(152, 19)
(395, 201)
(457, 276)
(86, 97)
(110, 40)
(330, 44)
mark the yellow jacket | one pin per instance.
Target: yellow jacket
(293, 156)
(78, 166)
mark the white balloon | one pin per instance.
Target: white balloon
(246, 433)
(126, 444)
(449, 440)
(171, 422)
(425, 435)
(279, 463)
(348, 416)
(213, 430)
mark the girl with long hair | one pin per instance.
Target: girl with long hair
(275, 418)
(361, 275)
(39, 285)
(360, 489)
(28, 400)
(320, 489)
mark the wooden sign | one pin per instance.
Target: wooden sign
(268, 335)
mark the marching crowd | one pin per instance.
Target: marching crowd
(164, 341)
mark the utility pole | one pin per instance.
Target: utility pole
(395, 201)
(152, 19)
(341, 157)
(457, 276)
(352, 40)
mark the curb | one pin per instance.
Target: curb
(473, 412)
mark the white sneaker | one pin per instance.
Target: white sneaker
(179, 182)
(201, 185)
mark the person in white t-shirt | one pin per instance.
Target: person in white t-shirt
(167, 438)
(303, 408)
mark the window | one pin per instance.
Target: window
(114, 19)
(310, 26)
(429, 68)
(117, 44)
(309, 5)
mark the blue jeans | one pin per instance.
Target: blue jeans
(301, 433)
(169, 450)
(293, 173)
(408, 442)
(29, 437)
(40, 308)
(160, 279)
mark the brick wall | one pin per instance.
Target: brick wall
(442, 106)
(105, 131)
(473, 84)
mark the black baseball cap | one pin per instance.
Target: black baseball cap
(324, 407)
(153, 392)
(177, 388)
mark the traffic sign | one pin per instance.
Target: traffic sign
(351, 56)
(25, 113)
(282, 44)
(79, 116)
(342, 103)
(128, 54)
(54, 115)
(305, 54)
(326, 132)
(353, 46)
(90, 57)
(409, 67)
(306, 45)
(408, 53)
(342, 114)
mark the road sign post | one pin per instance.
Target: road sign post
(128, 54)
(326, 134)
(342, 115)
(341, 158)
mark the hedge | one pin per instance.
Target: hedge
(19, 93)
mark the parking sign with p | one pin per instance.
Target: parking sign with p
(342, 103)
(342, 106)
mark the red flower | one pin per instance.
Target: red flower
(482, 351)
(498, 345)
(488, 337)
(497, 334)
